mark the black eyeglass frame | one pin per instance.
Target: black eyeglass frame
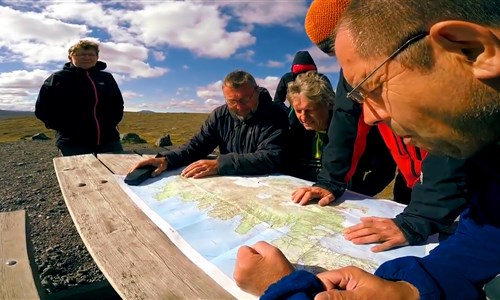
(358, 96)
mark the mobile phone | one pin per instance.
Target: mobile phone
(138, 175)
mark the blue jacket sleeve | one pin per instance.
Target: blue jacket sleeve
(460, 266)
(456, 269)
(299, 285)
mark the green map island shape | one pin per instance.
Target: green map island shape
(268, 201)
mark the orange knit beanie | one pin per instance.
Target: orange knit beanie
(321, 19)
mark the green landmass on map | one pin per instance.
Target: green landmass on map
(267, 202)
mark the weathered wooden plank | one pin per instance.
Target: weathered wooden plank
(16, 276)
(137, 258)
(119, 164)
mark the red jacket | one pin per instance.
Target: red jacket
(408, 158)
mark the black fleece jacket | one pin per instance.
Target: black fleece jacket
(84, 107)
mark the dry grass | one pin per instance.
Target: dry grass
(150, 126)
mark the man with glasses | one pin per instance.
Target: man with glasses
(249, 129)
(436, 84)
(82, 103)
(437, 197)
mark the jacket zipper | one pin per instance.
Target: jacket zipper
(95, 110)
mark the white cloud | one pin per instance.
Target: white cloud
(129, 59)
(159, 55)
(270, 83)
(246, 55)
(35, 27)
(19, 89)
(274, 64)
(213, 90)
(199, 28)
(137, 40)
(270, 12)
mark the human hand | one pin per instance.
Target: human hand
(259, 266)
(303, 195)
(376, 230)
(160, 163)
(201, 168)
(353, 283)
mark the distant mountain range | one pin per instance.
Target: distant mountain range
(14, 113)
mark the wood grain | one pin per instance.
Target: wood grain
(16, 276)
(136, 257)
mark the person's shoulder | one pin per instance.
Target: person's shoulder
(63, 74)
(264, 95)
(274, 113)
(288, 76)
(219, 112)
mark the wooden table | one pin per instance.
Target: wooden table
(137, 258)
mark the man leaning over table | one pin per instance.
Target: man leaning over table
(438, 195)
(450, 53)
(249, 129)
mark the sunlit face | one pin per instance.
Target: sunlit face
(242, 101)
(430, 110)
(84, 58)
(313, 116)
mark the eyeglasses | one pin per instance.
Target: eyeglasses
(242, 101)
(85, 54)
(359, 96)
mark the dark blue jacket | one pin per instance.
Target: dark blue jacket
(250, 147)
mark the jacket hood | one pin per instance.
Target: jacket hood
(99, 66)
(303, 62)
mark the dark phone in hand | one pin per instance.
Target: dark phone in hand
(138, 175)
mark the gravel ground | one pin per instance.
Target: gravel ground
(28, 182)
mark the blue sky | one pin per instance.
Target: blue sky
(167, 56)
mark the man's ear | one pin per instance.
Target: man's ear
(476, 43)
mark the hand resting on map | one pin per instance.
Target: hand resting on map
(376, 230)
(354, 283)
(198, 169)
(160, 163)
(201, 168)
(259, 266)
(303, 195)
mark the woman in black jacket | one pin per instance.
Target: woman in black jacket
(82, 103)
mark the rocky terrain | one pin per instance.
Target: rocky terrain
(28, 181)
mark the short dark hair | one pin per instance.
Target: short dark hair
(237, 78)
(84, 44)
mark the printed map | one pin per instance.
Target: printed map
(210, 218)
